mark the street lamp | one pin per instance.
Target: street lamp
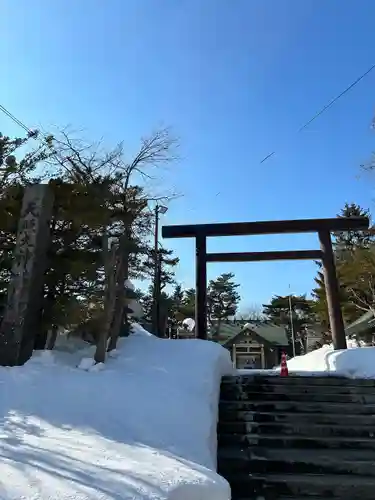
(292, 324)
(162, 210)
(159, 209)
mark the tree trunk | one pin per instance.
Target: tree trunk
(121, 301)
(51, 338)
(41, 337)
(218, 328)
(109, 301)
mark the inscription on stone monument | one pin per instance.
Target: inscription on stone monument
(25, 293)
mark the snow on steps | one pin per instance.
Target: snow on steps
(297, 437)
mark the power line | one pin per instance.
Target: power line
(16, 120)
(30, 132)
(336, 98)
(268, 156)
(324, 108)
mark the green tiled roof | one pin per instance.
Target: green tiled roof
(272, 333)
(228, 330)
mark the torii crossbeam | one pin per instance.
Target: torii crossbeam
(323, 227)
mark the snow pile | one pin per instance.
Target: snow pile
(189, 324)
(144, 427)
(355, 362)
(256, 371)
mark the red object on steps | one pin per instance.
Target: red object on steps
(284, 367)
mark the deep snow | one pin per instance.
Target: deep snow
(143, 427)
(355, 362)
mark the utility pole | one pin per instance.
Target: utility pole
(159, 209)
(292, 324)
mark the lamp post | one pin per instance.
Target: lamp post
(159, 209)
(292, 324)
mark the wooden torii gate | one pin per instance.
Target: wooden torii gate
(323, 227)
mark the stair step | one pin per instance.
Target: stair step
(298, 380)
(299, 438)
(296, 407)
(318, 455)
(300, 418)
(297, 442)
(273, 486)
(295, 429)
(282, 467)
(251, 386)
(284, 463)
(310, 497)
(251, 395)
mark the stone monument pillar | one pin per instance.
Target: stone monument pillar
(21, 321)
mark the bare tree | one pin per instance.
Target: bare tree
(252, 314)
(155, 150)
(358, 275)
(123, 186)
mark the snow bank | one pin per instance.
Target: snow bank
(142, 428)
(355, 362)
(253, 371)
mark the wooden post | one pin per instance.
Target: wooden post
(201, 288)
(158, 330)
(262, 357)
(156, 284)
(332, 291)
(234, 356)
(21, 321)
(323, 226)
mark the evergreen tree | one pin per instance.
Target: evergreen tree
(358, 275)
(303, 314)
(111, 206)
(222, 300)
(187, 306)
(16, 172)
(96, 197)
(165, 306)
(349, 248)
(349, 240)
(167, 264)
(177, 298)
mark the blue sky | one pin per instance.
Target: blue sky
(235, 80)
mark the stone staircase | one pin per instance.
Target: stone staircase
(297, 437)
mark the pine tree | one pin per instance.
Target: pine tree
(347, 241)
(167, 262)
(222, 300)
(16, 172)
(358, 275)
(187, 306)
(103, 201)
(96, 196)
(176, 304)
(345, 246)
(303, 314)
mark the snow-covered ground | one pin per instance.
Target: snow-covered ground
(356, 362)
(144, 427)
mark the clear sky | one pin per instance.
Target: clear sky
(235, 79)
